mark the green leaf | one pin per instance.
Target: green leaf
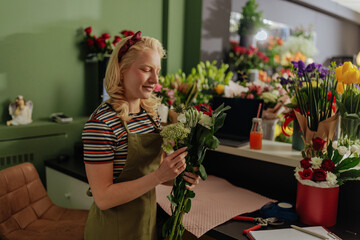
(187, 206)
(190, 194)
(212, 142)
(202, 172)
(330, 150)
(350, 174)
(219, 122)
(337, 157)
(172, 200)
(348, 163)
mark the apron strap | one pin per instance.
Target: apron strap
(157, 129)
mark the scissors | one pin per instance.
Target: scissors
(261, 222)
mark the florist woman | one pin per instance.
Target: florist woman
(122, 147)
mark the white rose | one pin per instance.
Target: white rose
(335, 145)
(316, 162)
(331, 178)
(181, 118)
(342, 150)
(205, 121)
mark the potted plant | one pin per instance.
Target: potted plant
(250, 22)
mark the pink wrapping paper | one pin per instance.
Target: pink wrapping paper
(216, 202)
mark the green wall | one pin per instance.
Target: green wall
(39, 53)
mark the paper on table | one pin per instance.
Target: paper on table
(288, 233)
(216, 202)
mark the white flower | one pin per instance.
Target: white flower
(316, 162)
(205, 121)
(331, 178)
(354, 149)
(342, 150)
(335, 145)
(181, 118)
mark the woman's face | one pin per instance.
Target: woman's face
(142, 76)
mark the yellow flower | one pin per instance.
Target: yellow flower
(346, 66)
(313, 83)
(350, 76)
(220, 89)
(340, 88)
(338, 74)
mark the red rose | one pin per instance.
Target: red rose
(101, 42)
(328, 165)
(105, 36)
(131, 33)
(250, 52)
(90, 42)
(206, 109)
(319, 174)
(88, 30)
(237, 49)
(266, 59)
(318, 143)
(127, 33)
(306, 174)
(305, 163)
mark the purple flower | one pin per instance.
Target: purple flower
(311, 67)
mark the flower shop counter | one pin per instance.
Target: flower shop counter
(273, 152)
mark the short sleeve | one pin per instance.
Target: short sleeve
(98, 142)
(158, 121)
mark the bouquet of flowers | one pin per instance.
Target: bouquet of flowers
(348, 78)
(328, 167)
(101, 46)
(315, 88)
(243, 59)
(195, 129)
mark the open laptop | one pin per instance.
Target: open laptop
(238, 121)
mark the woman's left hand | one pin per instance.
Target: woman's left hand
(191, 178)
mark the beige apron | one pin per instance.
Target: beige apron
(135, 219)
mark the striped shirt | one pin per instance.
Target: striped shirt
(105, 138)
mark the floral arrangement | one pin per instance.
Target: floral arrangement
(297, 48)
(328, 167)
(101, 46)
(348, 78)
(272, 49)
(195, 129)
(204, 81)
(314, 89)
(243, 59)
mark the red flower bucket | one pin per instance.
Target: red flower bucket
(317, 206)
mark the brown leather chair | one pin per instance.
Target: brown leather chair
(26, 211)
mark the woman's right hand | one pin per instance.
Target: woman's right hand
(171, 165)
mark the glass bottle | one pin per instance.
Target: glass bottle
(256, 134)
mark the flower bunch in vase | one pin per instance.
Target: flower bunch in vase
(195, 130)
(330, 166)
(314, 89)
(319, 174)
(102, 45)
(243, 59)
(348, 78)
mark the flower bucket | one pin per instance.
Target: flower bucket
(350, 128)
(317, 206)
(269, 128)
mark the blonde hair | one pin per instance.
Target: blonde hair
(114, 82)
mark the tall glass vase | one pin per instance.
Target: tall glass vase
(297, 140)
(349, 129)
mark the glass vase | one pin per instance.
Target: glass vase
(350, 129)
(297, 140)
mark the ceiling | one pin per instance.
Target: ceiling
(352, 4)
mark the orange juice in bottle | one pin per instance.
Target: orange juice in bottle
(256, 134)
